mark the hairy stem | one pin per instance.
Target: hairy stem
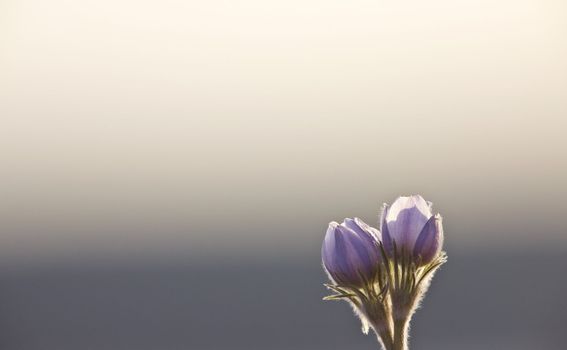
(385, 338)
(401, 334)
(381, 323)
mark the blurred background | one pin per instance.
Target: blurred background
(168, 169)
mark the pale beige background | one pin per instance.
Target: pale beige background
(240, 128)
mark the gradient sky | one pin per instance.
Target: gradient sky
(244, 127)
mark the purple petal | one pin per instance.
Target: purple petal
(405, 220)
(329, 245)
(358, 252)
(364, 231)
(347, 254)
(428, 244)
(337, 264)
(352, 224)
(386, 237)
(374, 233)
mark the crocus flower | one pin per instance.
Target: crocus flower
(410, 223)
(384, 276)
(350, 253)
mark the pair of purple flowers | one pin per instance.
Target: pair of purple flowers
(385, 273)
(351, 249)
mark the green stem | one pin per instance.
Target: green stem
(382, 326)
(401, 334)
(386, 337)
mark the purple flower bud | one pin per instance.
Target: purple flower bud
(430, 240)
(350, 252)
(411, 225)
